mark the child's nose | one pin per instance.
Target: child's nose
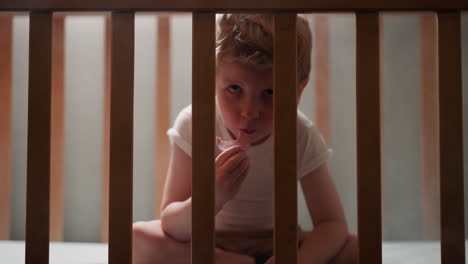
(250, 109)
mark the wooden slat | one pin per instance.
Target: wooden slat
(99, 14)
(451, 138)
(216, 5)
(163, 110)
(285, 118)
(57, 130)
(382, 107)
(121, 138)
(429, 149)
(203, 112)
(368, 138)
(106, 132)
(322, 75)
(6, 49)
(39, 152)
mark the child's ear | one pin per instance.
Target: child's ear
(301, 89)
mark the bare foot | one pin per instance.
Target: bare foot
(225, 257)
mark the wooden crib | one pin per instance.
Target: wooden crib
(121, 120)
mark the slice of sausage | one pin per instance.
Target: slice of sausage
(243, 141)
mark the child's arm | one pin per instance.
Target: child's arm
(176, 205)
(176, 208)
(330, 228)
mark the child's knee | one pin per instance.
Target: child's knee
(348, 254)
(140, 232)
(151, 245)
(148, 242)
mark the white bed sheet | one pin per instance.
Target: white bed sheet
(12, 252)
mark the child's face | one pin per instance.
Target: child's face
(245, 99)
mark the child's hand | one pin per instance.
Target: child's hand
(231, 168)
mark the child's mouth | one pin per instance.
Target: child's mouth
(248, 131)
(243, 141)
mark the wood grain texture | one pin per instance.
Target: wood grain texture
(106, 132)
(451, 138)
(429, 123)
(57, 129)
(239, 5)
(368, 138)
(163, 111)
(6, 51)
(285, 119)
(203, 112)
(121, 137)
(39, 133)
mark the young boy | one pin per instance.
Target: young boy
(244, 171)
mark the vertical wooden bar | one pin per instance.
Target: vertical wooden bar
(368, 138)
(121, 138)
(6, 50)
(451, 138)
(57, 130)
(163, 107)
(285, 118)
(429, 116)
(106, 132)
(39, 132)
(203, 112)
(382, 107)
(322, 75)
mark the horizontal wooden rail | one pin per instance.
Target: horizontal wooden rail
(239, 5)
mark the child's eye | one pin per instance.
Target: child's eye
(269, 92)
(234, 88)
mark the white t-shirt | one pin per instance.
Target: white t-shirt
(252, 207)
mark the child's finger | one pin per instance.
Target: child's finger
(225, 155)
(239, 178)
(242, 172)
(233, 163)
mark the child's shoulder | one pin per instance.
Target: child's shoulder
(184, 115)
(186, 110)
(303, 121)
(306, 129)
(183, 120)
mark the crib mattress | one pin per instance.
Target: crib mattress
(12, 252)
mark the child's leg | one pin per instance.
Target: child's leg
(225, 257)
(349, 253)
(151, 245)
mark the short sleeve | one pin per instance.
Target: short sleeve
(181, 132)
(312, 149)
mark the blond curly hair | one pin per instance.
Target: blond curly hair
(248, 38)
